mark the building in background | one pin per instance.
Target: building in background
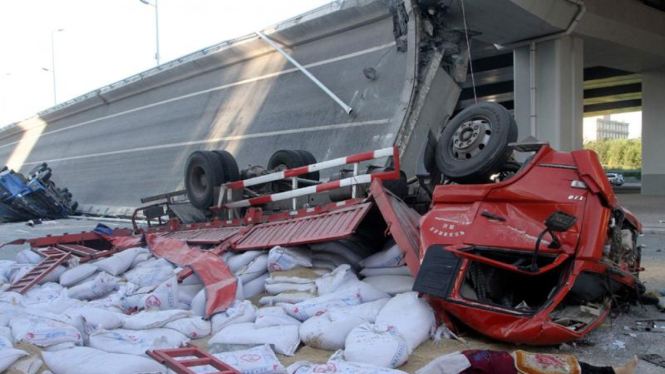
(604, 128)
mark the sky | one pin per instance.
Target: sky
(104, 41)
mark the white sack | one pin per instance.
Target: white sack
(389, 257)
(198, 304)
(165, 296)
(452, 363)
(6, 332)
(255, 286)
(42, 293)
(17, 272)
(43, 332)
(238, 312)
(412, 316)
(150, 319)
(323, 264)
(134, 342)
(187, 292)
(237, 261)
(7, 311)
(277, 288)
(376, 344)
(27, 256)
(120, 262)
(391, 284)
(5, 265)
(57, 305)
(240, 292)
(140, 258)
(96, 317)
(152, 273)
(54, 275)
(102, 285)
(155, 263)
(322, 332)
(368, 292)
(192, 327)
(319, 305)
(8, 355)
(366, 311)
(254, 269)
(84, 360)
(336, 364)
(397, 270)
(284, 338)
(334, 281)
(76, 274)
(276, 278)
(257, 360)
(30, 365)
(274, 316)
(287, 258)
(286, 298)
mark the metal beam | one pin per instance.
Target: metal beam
(309, 75)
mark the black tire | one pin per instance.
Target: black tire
(310, 159)
(474, 145)
(230, 170)
(46, 176)
(203, 172)
(38, 168)
(289, 159)
(74, 206)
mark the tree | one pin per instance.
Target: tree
(618, 153)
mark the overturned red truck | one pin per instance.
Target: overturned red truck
(533, 252)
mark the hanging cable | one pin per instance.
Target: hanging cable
(468, 50)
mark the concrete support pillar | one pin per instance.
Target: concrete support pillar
(558, 92)
(653, 132)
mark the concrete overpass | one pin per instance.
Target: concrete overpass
(131, 139)
(600, 57)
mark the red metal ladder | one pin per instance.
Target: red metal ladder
(168, 357)
(84, 253)
(53, 258)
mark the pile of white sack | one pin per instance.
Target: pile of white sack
(335, 296)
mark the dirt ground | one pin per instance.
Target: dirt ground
(612, 343)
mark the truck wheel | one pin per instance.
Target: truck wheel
(202, 174)
(474, 145)
(46, 176)
(290, 159)
(230, 169)
(310, 159)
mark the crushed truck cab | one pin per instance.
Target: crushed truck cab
(478, 251)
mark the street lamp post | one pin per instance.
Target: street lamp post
(55, 95)
(156, 6)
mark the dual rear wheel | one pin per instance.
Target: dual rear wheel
(206, 170)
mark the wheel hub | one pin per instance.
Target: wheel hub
(470, 138)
